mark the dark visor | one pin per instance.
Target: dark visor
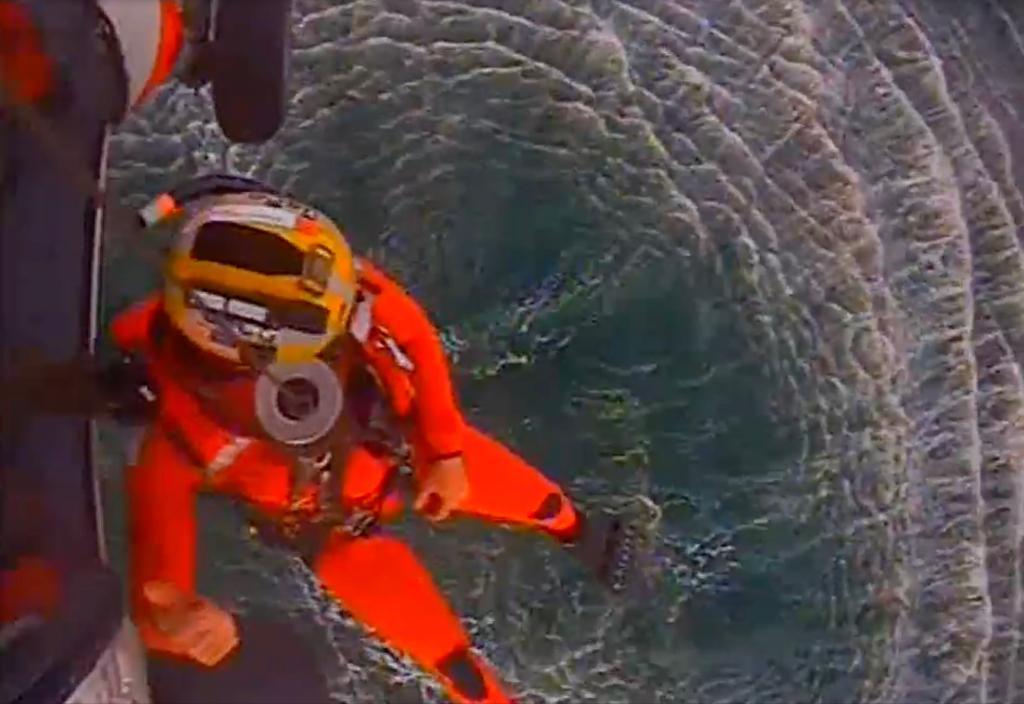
(304, 317)
(247, 248)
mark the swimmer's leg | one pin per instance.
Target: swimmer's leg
(504, 488)
(379, 580)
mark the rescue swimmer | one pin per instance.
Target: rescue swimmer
(280, 369)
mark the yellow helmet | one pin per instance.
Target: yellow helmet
(262, 272)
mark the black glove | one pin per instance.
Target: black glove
(129, 394)
(609, 546)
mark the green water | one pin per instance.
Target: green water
(694, 255)
(622, 374)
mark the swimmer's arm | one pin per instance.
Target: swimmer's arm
(130, 329)
(437, 416)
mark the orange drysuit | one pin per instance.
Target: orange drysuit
(375, 577)
(26, 71)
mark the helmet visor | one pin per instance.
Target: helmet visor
(248, 248)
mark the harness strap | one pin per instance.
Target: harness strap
(305, 533)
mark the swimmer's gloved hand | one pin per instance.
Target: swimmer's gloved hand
(127, 390)
(610, 546)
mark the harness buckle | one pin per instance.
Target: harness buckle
(360, 523)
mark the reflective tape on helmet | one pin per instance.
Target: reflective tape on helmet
(248, 310)
(252, 214)
(207, 300)
(150, 34)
